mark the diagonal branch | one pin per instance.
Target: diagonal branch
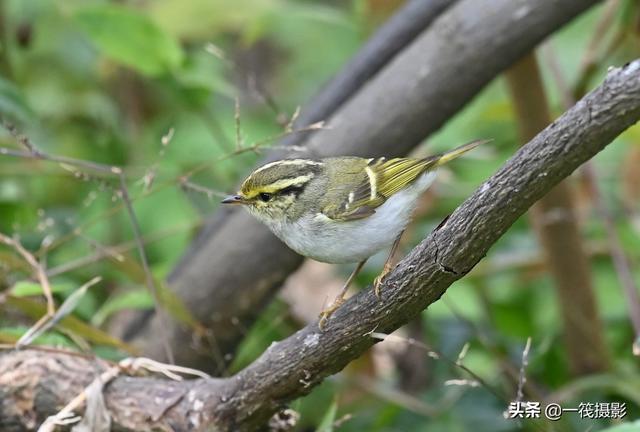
(293, 367)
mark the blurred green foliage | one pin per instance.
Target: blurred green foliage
(106, 81)
(130, 38)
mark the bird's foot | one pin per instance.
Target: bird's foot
(377, 282)
(326, 313)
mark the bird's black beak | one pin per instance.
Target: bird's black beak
(233, 199)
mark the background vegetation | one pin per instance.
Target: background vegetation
(186, 95)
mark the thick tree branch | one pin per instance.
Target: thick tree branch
(236, 264)
(38, 385)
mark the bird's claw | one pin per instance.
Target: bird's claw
(377, 282)
(326, 313)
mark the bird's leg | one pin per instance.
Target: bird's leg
(335, 304)
(388, 265)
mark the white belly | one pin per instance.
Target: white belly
(320, 238)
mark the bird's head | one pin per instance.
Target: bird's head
(273, 191)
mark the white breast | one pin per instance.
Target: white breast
(318, 237)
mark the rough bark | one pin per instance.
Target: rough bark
(555, 220)
(37, 384)
(387, 42)
(235, 265)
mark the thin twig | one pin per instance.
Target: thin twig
(592, 58)
(289, 126)
(150, 174)
(35, 153)
(48, 321)
(65, 415)
(267, 98)
(40, 272)
(104, 250)
(217, 52)
(620, 261)
(255, 147)
(590, 54)
(462, 383)
(236, 117)
(439, 356)
(53, 350)
(523, 370)
(506, 365)
(463, 353)
(404, 400)
(118, 250)
(551, 59)
(210, 193)
(171, 371)
(150, 281)
(112, 171)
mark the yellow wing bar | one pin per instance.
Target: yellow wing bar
(387, 177)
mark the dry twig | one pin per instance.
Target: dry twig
(35, 265)
(48, 321)
(109, 170)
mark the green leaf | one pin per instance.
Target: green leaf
(168, 299)
(65, 309)
(175, 306)
(12, 103)
(27, 288)
(204, 72)
(132, 299)
(12, 191)
(36, 310)
(268, 328)
(329, 418)
(11, 335)
(130, 38)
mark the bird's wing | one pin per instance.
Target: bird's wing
(379, 179)
(376, 180)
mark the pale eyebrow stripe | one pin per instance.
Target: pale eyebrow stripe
(373, 184)
(284, 183)
(289, 162)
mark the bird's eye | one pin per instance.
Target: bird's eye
(264, 196)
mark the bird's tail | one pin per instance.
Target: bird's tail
(445, 157)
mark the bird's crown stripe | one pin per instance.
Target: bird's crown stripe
(300, 162)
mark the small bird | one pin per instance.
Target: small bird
(340, 209)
